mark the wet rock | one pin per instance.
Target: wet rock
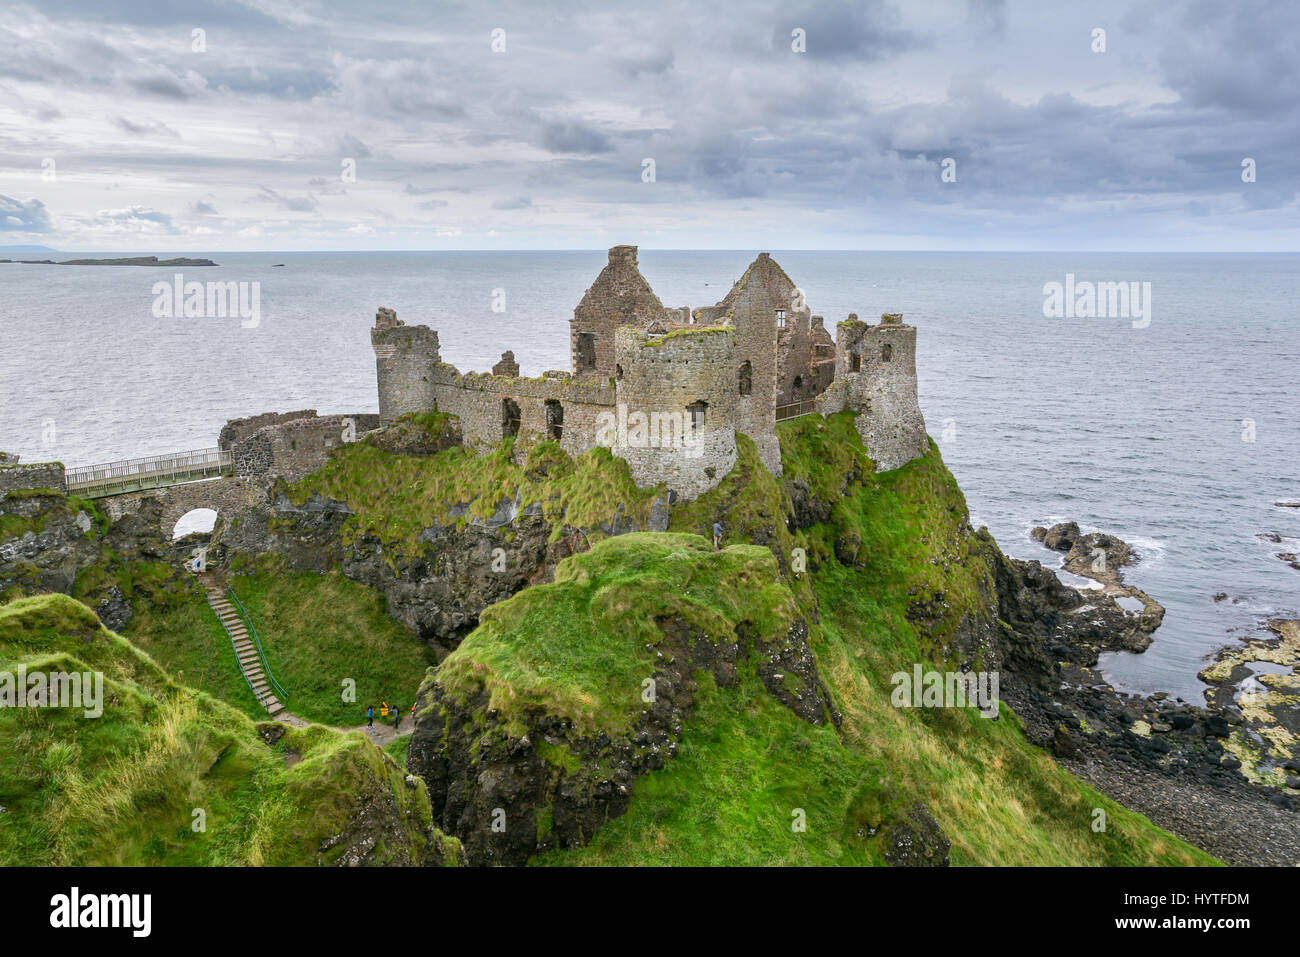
(1061, 536)
(916, 840)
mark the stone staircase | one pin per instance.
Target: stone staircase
(250, 662)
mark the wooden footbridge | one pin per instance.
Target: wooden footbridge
(154, 471)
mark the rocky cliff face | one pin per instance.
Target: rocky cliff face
(512, 779)
(439, 591)
(56, 543)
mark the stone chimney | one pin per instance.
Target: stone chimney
(507, 366)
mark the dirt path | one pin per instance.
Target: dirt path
(380, 733)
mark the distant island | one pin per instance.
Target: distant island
(127, 261)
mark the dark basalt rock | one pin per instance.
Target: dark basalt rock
(915, 840)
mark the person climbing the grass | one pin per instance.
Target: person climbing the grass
(370, 716)
(717, 535)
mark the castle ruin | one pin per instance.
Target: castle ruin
(667, 389)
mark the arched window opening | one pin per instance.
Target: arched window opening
(509, 418)
(195, 520)
(746, 378)
(886, 352)
(554, 419)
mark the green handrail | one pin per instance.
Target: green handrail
(242, 670)
(257, 643)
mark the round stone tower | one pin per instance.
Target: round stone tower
(405, 357)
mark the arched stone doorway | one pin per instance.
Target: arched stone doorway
(195, 520)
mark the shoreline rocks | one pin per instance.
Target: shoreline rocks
(1100, 557)
(1219, 776)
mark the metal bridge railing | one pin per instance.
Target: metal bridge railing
(152, 471)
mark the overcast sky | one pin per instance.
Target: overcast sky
(121, 128)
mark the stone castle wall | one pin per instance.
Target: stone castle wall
(620, 296)
(551, 407)
(217, 494)
(663, 376)
(20, 478)
(237, 430)
(757, 350)
(294, 448)
(750, 308)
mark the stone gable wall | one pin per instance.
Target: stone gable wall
(620, 296)
(750, 307)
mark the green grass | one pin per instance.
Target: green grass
(122, 789)
(581, 647)
(398, 496)
(745, 763)
(320, 630)
(316, 630)
(397, 749)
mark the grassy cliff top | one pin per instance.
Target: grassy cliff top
(398, 496)
(580, 648)
(129, 787)
(747, 766)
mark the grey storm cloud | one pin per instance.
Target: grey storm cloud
(574, 138)
(306, 203)
(742, 129)
(19, 216)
